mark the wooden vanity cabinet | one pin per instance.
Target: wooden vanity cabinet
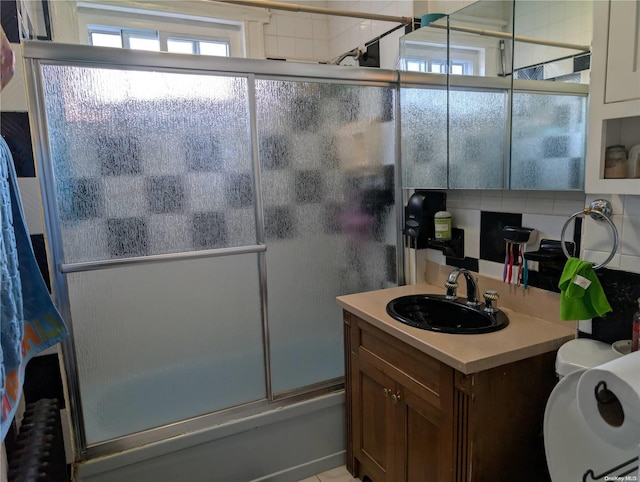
(413, 418)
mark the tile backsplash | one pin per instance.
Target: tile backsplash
(547, 212)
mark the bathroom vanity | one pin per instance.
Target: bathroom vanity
(426, 406)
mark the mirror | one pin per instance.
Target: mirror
(557, 23)
(502, 131)
(454, 120)
(425, 49)
(480, 40)
(548, 129)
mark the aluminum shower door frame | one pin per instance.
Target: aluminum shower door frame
(39, 53)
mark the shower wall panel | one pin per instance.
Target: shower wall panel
(327, 163)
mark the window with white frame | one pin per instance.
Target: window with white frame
(437, 65)
(158, 31)
(432, 58)
(154, 40)
(425, 50)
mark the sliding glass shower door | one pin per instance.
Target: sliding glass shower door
(326, 164)
(201, 223)
(147, 164)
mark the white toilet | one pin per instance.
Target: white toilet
(573, 452)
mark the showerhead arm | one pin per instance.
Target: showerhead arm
(355, 53)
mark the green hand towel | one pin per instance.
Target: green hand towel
(581, 294)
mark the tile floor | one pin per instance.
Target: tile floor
(339, 474)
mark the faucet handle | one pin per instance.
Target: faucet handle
(451, 286)
(490, 301)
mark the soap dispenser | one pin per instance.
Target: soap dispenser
(419, 215)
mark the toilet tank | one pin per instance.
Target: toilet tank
(581, 354)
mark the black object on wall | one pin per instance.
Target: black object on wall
(492, 243)
(471, 264)
(551, 261)
(419, 214)
(9, 18)
(622, 290)
(371, 58)
(47, 22)
(43, 380)
(451, 248)
(14, 127)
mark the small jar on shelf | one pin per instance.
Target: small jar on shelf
(615, 162)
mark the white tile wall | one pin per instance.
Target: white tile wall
(31, 203)
(298, 36)
(319, 38)
(547, 212)
(597, 237)
(13, 97)
(448, 6)
(560, 20)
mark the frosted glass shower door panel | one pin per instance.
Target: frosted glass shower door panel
(149, 163)
(423, 116)
(164, 342)
(549, 141)
(478, 139)
(327, 163)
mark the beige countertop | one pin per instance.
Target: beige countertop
(525, 336)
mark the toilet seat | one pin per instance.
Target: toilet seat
(571, 448)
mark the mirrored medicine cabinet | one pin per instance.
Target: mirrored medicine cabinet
(494, 96)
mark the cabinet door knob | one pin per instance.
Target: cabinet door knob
(395, 398)
(386, 392)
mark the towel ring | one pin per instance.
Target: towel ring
(600, 210)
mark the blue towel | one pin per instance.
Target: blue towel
(29, 321)
(11, 316)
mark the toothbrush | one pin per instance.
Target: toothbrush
(510, 270)
(525, 267)
(520, 263)
(506, 261)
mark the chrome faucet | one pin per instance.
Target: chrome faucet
(472, 288)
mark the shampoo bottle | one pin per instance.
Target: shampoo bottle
(635, 335)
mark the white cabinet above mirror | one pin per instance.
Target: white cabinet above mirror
(614, 105)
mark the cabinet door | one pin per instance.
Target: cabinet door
(427, 433)
(373, 420)
(623, 55)
(423, 134)
(548, 141)
(478, 137)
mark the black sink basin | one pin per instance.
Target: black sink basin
(436, 313)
